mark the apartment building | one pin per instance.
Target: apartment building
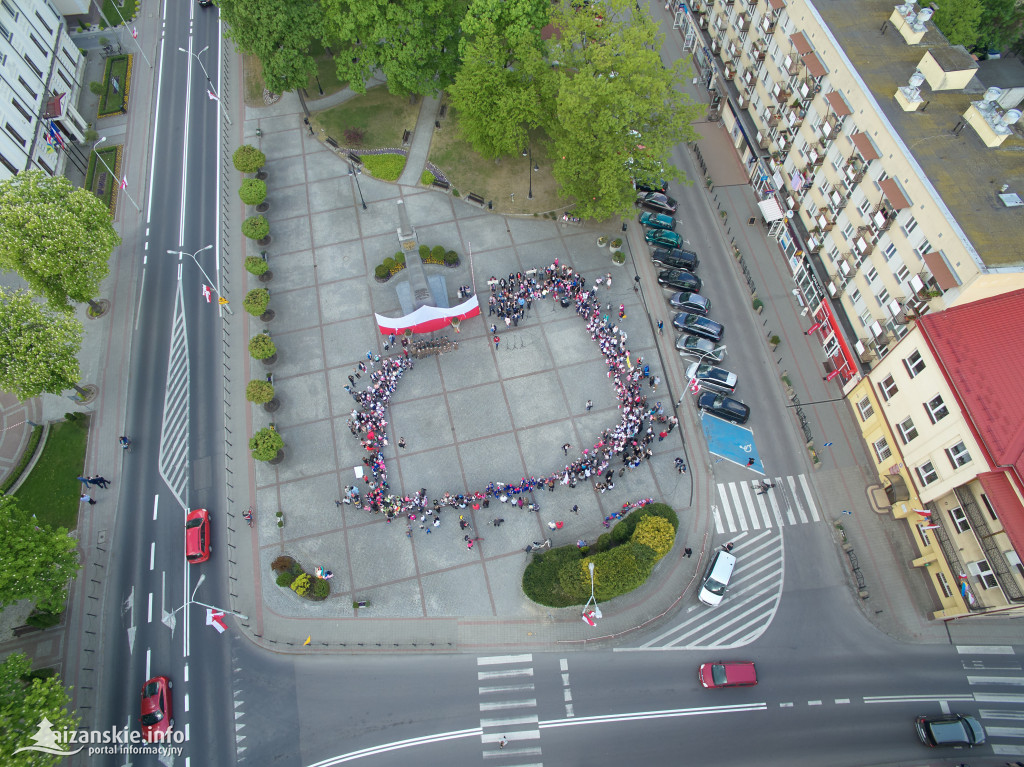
(943, 413)
(887, 162)
(41, 73)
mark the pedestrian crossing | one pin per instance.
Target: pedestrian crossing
(743, 506)
(509, 723)
(996, 677)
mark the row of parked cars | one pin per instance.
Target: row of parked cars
(700, 334)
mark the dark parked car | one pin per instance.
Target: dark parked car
(724, 407)
(658, 202)
(679, 279)
(664, 238)
(657, 220)
(949, 730)
(690, 302)
(659, 185)
(696, 325)
(676, 258)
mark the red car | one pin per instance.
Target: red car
(197, 536)
(157, 715)
(723, 674)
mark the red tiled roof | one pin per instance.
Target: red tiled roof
(978, 347)
(998, 486)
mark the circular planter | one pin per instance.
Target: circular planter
(618, 261)
(277, 459)
(265, 241)
(602, 242)
(263, 207)
(267, 276)
(262, 175)
(273, 406)
(268, 315)
(270, 360)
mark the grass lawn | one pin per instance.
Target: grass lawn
(499, 179)
(252, 78)
(52, 491)
(97, 170)
(112, 101)
(326, 71)
(380, 116)
(110, 11)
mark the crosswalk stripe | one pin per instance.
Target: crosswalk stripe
(995, 679)
(980, 649)
(809, 497)
(509, 721)
(506, 688)
(1001, 713)
(499, 705)
(1005, 732)
(511, 736)
(750, 502)
(725, 507)
(762, 506)
(791, 481)
(997, 697)
(1007, 750)
(739, 506)
(504, 674)
(500, 660)
(719, 528)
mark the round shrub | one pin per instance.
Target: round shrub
(256, 265)
(248, 159)
(424, 251)
(253, 191)
(389, 263)
(381, 272)
(301, 584)
(451, 258)
(427, 178)
(262, 347)
(437, 254)
(265, 444)
(259, 392)
(256, 300)
(255, 227)
(321, 589)
(619, 257)
(400, 259)
(656, 533)
(282, 562)
(285, 579)
(387, 167)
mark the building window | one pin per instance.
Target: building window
(39, 45)
(865, 409)
(882, 450)
(958, 455)
(909, 226)
(926, 474)
(907, 430)
(32, 66)
(944, 584)
(959, 520)
(833, 254)
(983, 573)
(871, 275)
(42, 164)
(848, 231)
(889, 252)
(902, 274)
(855, 295)
(866, 319)
(936, 409)
(914, 363)
(888, 388)
(10, 10)
(43, 22)
(64, 77)
(25, 85)
(988, 505)
(924, 247)
(865, 207)
(9, 165)
(4, 33)
(883, 297)
(15, 134)
(1014, 559)
(20, 108)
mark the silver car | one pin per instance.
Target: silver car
(701, 348)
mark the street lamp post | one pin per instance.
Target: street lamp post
(528, 152)
(355, 174)
(213, 93)
(169, 620)
(111, 172)
(597, 609)
(213, 285)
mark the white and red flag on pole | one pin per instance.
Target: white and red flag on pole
(694, 385)
(124, 182)
(212, 95)
(215, 618)
(923, 512)
(135, 33)
(206, 293)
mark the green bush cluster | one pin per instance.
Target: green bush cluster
(256, 227)
(427, 178)
(256, 265)
(301, 584)
(259, 391)
(248, 159)
(262, 347)
(623, 560)
(256, 300)
(381, 272)
(387, 167)
(265, 444)
(321, 589)
(438, 255)
(285, 579)
(252, 191)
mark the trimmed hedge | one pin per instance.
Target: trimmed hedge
(256, 227)
(387, 167)
(255, 301)
(26, 458)
(427, 178)
(252, 191)
(265, 444)
(256, 265)
(262, 347)
(248, 159)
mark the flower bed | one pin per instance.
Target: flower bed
(290, 574)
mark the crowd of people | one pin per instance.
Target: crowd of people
(511, 299)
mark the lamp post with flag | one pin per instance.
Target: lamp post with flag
(123, 183)
(214, 615)
(210, 90)
(220, 299)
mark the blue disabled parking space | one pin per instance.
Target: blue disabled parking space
(731, 442)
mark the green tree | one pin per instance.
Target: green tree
(36, 561)
(56, 237)
(504, 82)
(618, 112)
(414, 43)
(30, 709)
(265, 444)
(38, 347)
(1002, 23)
(248, 159)
(958, 20)
(279, 33)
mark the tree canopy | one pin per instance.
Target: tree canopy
(36, 561)
(618, 113)
(958, 20)
(25, 702)
(1001, 25)
(38, 347)
(280, 33)
(56, 237)
(414, 43)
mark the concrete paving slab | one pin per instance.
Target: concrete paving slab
(536, 398)
(491, 459)
(469, 365)
(329, 194)
(286, 202)
(435, 470)
(451, 593)
(303, 395)
(480, 231)
(290, 235)
(479, 411)
(291, 270)
(527, 230)
(334, 226)
(323, 164)
(423, 422)
(443, 233)
(308, 450)
(335, 309)
(282, 138)
(345, 342)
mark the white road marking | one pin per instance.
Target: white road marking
(809, 497)
(980, 649)
(509, 721)
(495, 660)
(506, 674)
(995, 679)
(152, 554)
(998, 697)
(506, 688)
(498, 706)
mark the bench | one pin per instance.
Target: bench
(332, 142)
(439, 184)
(405, 138)
(22, 630)
(444, 110)
(475, 198)
(101, 184)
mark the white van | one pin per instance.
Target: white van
(716, 578)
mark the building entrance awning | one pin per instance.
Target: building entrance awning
(897, 489)
(770, 209)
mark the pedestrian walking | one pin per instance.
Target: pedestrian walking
(100, 482)
(497, 340)
(687, 552)
(750, 462)
(661, 328)
(565, 448)
(728, 546)
(661, 435)
(575, 509)
(503, 742)
(87, 499)
(680, 465)
(84, 481)
(589, 405)
(497, 522)
(401, 442)
(352, 380)
(369, 355)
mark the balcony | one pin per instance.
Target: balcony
(729, 3)
(702, 21)
(782, 95)
(771, 116)
(855, 169)
(729, 72)
(742, 23)
(758, 51)
(815, 158)
(792, 65)
(826, 221)
(733, 51)
(748, 77)
(763, 140)
(768, 24)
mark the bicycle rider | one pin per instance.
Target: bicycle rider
(124, 442)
